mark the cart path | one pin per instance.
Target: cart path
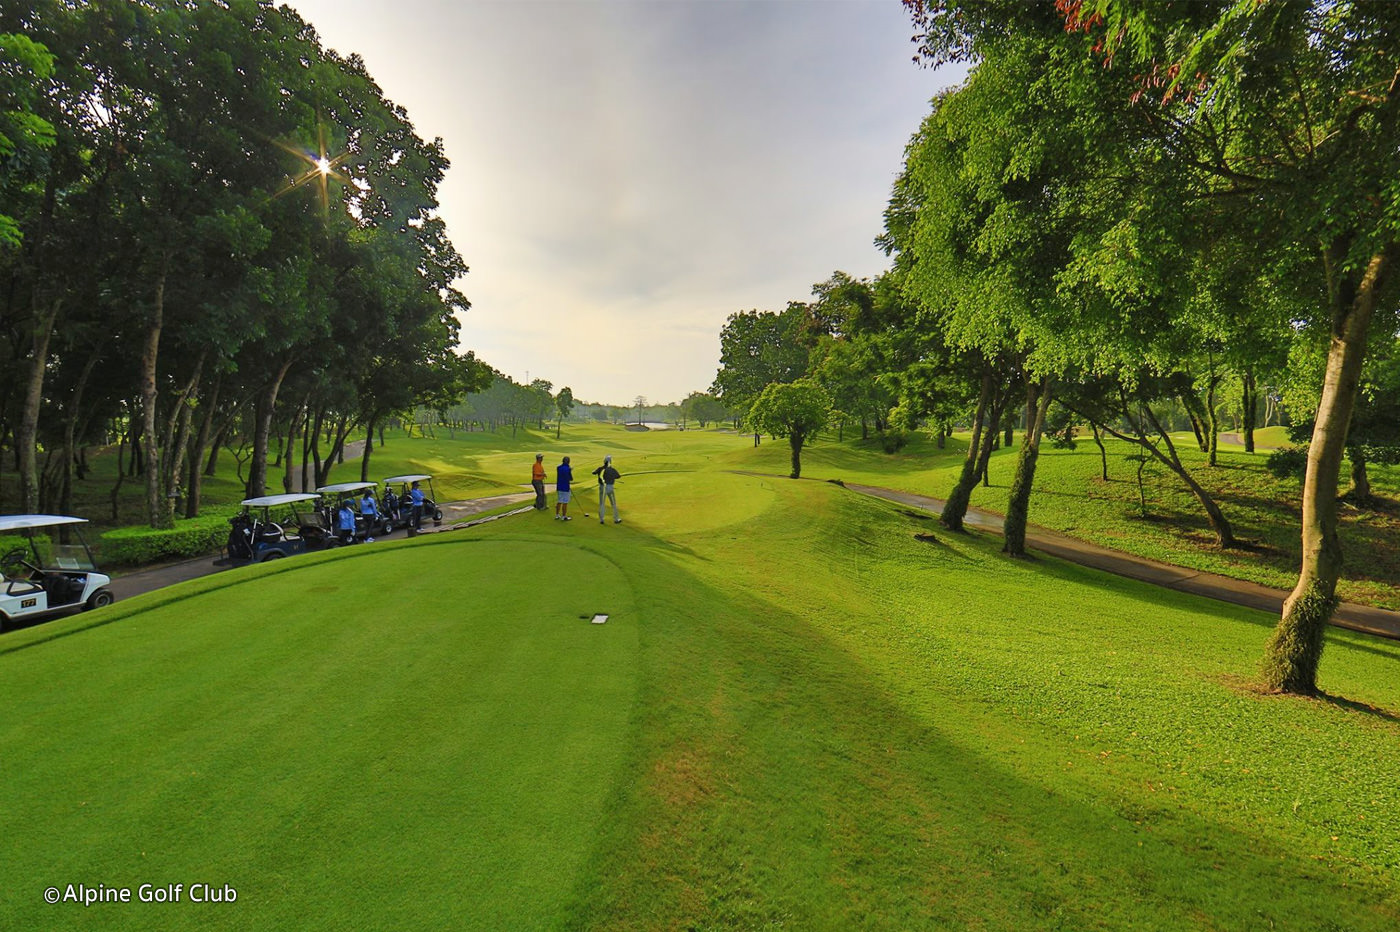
(1364, 618)
(455, 515)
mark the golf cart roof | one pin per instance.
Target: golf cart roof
(272, 501)
(18, 522)
(344, 487)
(406, 479)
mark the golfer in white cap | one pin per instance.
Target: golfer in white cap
(606, 477)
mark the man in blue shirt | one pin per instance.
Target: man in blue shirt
(415, 497)
(369, 513)
(345, 523)
(563, 476)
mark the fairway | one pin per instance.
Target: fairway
(799, 715)
(427, 731)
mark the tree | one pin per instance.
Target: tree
(704, 408)
(758, 348)
(795, 410)
(563, 404)
(1312, 92)
(23, 133)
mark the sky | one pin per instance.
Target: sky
(626, 175)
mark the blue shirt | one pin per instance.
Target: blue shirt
(368, 506)
(416, 496)
(347, 519)
(564, 474)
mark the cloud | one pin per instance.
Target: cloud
(626, 175)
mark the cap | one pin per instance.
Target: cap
(607, 460)
(539, 456)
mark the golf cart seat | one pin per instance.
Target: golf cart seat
(61, 589)
(267, 533)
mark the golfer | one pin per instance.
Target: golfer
(537, 480)
(563, 476)
(607, 475)
(369, 513)
(345, 523)
(415, 496)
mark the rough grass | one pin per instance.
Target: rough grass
(800, 717)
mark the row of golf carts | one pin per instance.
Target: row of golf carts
(275, 526)
(46, 566)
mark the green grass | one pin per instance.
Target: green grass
(1071, 496)
(799, 716)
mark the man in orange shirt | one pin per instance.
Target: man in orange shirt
(537, 480)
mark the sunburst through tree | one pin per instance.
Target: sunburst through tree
(320, 168)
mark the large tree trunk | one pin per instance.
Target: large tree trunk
(289, 466)
(1294, 651)
(195, 480)
(1018, 504)
(1212, 419)
(1103, 451)
(26, 434)
(369, 448)
(70, 430)
(1224, 534)
(991, 438)
(337, 453)
(795, 439)
(1360, 492)
(1197, 413)
(955, 509)
(177, 431)
(1249, 406)
(263, 410)
(159, 510)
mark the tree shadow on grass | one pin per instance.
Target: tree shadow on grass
(778, 781)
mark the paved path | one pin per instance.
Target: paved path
(1366, 618)
(455, 516)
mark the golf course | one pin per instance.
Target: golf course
(807, 708)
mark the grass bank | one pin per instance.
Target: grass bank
(1072, 496)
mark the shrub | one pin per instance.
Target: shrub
(893, 440)
(1287, 463)
(134, 546)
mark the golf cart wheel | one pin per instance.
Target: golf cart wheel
(101, 599)
(437, 517)
(272, 555)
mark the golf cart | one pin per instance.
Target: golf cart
(399, 505)
(54, 573)
(366, 526)
(260, 532)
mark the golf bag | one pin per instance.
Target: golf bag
(240, 538)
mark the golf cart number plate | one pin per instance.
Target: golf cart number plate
(28, 603)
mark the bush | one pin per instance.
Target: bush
(893, 440)
(134, 546)
(1287, 463)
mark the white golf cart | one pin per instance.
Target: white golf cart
(366, 526)
(54, 572)
(398, 505)
(261, 532)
